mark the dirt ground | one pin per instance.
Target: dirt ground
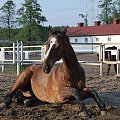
(108, 88)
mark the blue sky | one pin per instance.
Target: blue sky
(65, 12)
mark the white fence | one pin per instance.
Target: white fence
(85, 47)
(21, 54)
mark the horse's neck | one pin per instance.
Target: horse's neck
(70, 60)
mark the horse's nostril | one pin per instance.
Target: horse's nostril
(46, 68)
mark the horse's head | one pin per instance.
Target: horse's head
(54, 48)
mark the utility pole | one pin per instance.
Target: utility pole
(85, 19)
(92, 10)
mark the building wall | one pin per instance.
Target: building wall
(114, 40)
(94, 39)
(80, 47)
(81, 39)
(108, 39)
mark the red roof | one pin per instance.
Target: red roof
(97, 30)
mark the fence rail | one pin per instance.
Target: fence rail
(20, 55)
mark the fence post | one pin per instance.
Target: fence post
(101, 59)
(13, 53)
(42, 52)
(21, 52)
(18, 58)
(100, 52)
(117, 59)
(2, 58)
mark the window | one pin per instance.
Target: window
(109, 39)
(76, 40)
(97, 40)
(86, 40)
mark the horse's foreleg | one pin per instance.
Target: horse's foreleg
(94, 95)
(68, 92)
(83, 110)
(100, 103)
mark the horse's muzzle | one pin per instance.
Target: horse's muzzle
(46, 68)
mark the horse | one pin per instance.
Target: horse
(110, 57)
(56, 83)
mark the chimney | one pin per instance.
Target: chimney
(116, 21)
(81, 24)
(97, 23)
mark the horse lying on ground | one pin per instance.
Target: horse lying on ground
(56, 84)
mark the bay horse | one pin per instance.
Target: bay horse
(56, 84)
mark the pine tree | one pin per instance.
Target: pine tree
(7, 18)
(30, 17)
(106, 11)
(116, 10)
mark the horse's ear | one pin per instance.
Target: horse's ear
(50, 30)
(65, 30)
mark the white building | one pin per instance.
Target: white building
(98, 33)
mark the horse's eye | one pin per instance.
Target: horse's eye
(50, 41)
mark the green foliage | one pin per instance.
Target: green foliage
(30, 12)
(60, 27)
(116, 9)
(23, 34)
(7, 17)
(106, 13)
(38, 33)
(44, 33)
(3, 33)
(30, 20)
(110, 9)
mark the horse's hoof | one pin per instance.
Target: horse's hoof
(27, 103)
(3, 105)
(85, 115)
(103, 113)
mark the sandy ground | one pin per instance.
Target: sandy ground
(108, 88)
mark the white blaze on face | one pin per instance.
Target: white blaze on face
(52, 42)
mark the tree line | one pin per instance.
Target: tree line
(110, 10)
(24, 24)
